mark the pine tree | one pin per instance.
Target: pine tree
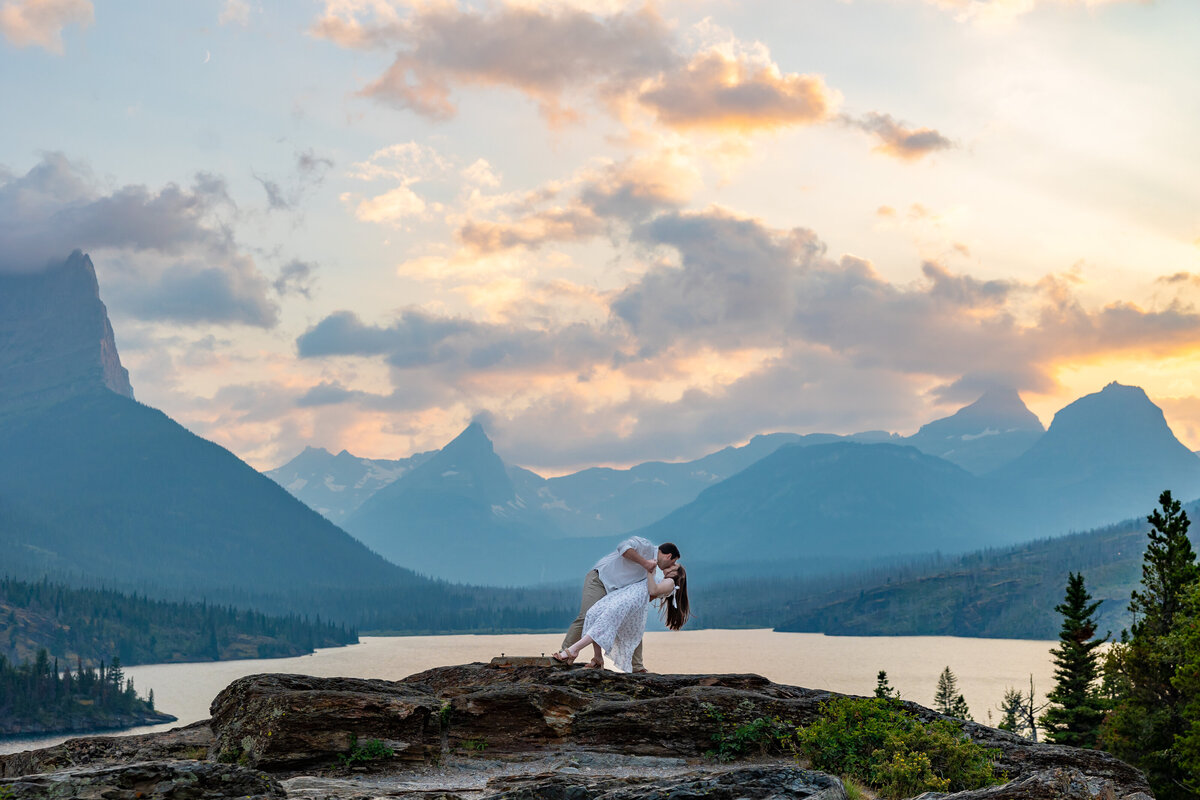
(1185, 640)
(1013, 710)
(883, 688)
(947, 699)
(1078, 708)
(1148, 718)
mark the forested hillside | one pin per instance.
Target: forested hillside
(999, 593)
(97, 625)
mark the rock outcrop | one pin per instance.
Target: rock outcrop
(190, 742)
(281, 721)
(526, 732)
(147, 780)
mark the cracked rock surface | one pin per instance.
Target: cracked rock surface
(516, 731)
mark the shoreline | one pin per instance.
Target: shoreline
(121, 723)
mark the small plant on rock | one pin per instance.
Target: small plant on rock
(370, 750)
(757, 736)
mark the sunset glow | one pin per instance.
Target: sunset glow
(613, 231)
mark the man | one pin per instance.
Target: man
(628, 564)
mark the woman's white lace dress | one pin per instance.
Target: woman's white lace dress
(617, 622)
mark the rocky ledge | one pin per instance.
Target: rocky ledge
(506, 731)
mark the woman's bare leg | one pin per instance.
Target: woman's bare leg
(575, 649)
(597, 654)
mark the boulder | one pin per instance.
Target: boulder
(284, 721)
(146, 780)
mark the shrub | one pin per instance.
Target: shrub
(759, 735)
(878, 742)
(370, 750)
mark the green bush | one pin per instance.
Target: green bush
(370, 750)
(756, 736)
(879, 743)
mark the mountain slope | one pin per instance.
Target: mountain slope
(121, 492)
(833, 501)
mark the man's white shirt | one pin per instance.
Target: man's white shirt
(615, 571)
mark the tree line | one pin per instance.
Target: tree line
(36, 697)
(95, 625)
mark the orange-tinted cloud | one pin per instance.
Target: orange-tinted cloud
(546, 54)
(719, 91)
(41, 22)
(627, 191)
(561, 56)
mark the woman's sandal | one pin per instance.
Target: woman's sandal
(563, 657)
(595, 663)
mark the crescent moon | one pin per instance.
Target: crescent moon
(207, 57)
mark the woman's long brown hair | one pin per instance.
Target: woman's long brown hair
(675, 606)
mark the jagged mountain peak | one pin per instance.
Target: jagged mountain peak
(999, 408)
(58, 341)
(473, 438)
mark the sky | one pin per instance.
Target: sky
(612, 231)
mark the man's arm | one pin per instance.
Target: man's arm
(645, 563)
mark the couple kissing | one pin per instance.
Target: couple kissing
(616, 596)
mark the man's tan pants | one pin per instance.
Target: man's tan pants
(593, 590)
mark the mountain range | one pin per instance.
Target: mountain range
(988, 475)
(98, 488)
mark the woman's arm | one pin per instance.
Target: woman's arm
(660, 588)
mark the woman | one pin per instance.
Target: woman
(617, 621)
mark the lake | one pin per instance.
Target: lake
(848, 664)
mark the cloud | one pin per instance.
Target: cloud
(194, 292)
(897, 140)
(309, 172)
(623, 192)
(456, 345)
(629, 63)
(1002, 11)
(718, 90)
(560, 53)
(295, 277)
(392, 207)
(41, 22)
(236, 11)
(328, 393)
(172, 252)
(545, 53)
(825, 393)
(738, 283)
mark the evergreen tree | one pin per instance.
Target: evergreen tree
(883, 688)
(1078, 708)
(947, 699)
(1185, 640)
(1012, 709)
(1148, 719)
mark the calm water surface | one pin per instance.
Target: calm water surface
(984, 667)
